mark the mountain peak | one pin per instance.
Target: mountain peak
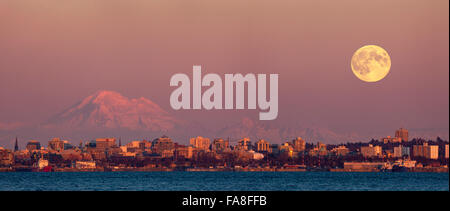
(102, 93)
(110, 109)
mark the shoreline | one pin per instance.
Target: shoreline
(25, 169)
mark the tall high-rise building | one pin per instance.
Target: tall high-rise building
(426, 151)
(371, 151)
(446, 151)
(200, 143)
(418, 150)
(401, 151)
(299, 144)
(402, 133)
(263, 146)
(322, 148)
(432, 152)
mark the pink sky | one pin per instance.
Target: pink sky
(54, 53)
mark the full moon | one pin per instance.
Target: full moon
(371, 63)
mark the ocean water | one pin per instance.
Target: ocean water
(223, 181)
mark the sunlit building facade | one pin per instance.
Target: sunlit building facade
(402, 134)
(200, 143)
(263, 146)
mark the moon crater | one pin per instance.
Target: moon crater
(371, 63)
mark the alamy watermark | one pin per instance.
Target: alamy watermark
(212, 97)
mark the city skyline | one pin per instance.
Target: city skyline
(401, 135)
(391, 154)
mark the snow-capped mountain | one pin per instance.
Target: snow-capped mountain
(110, 110)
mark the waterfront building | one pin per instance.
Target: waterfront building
(432, 152)
(163, 144)
(401, 151)
(124, 149)
(390, 139)
(168, 153)
(418, 150)
(263, 146)
(33, 145)
(137, 146)
(133, 144)
(446, 151)
(406, 151)
(398, 152)
(200, 143)
(426, 151)
(6, 157)
(322, 148)
(85, 164)
(287, 149)
(105, 143)
(102, 148)
(319, 150)
(402, 134)
(145, 145)
(220, 145)
(133, 147)
(56, 144)
(371, 151)
(340, 150)
(244, 144)
(184, 152)
(299, 144)
(275, 148)
(97, 154)
(388, 153)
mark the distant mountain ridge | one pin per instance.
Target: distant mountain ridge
(257, 130)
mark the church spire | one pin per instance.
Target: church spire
(16, 146)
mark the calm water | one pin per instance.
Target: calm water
(223, 181)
